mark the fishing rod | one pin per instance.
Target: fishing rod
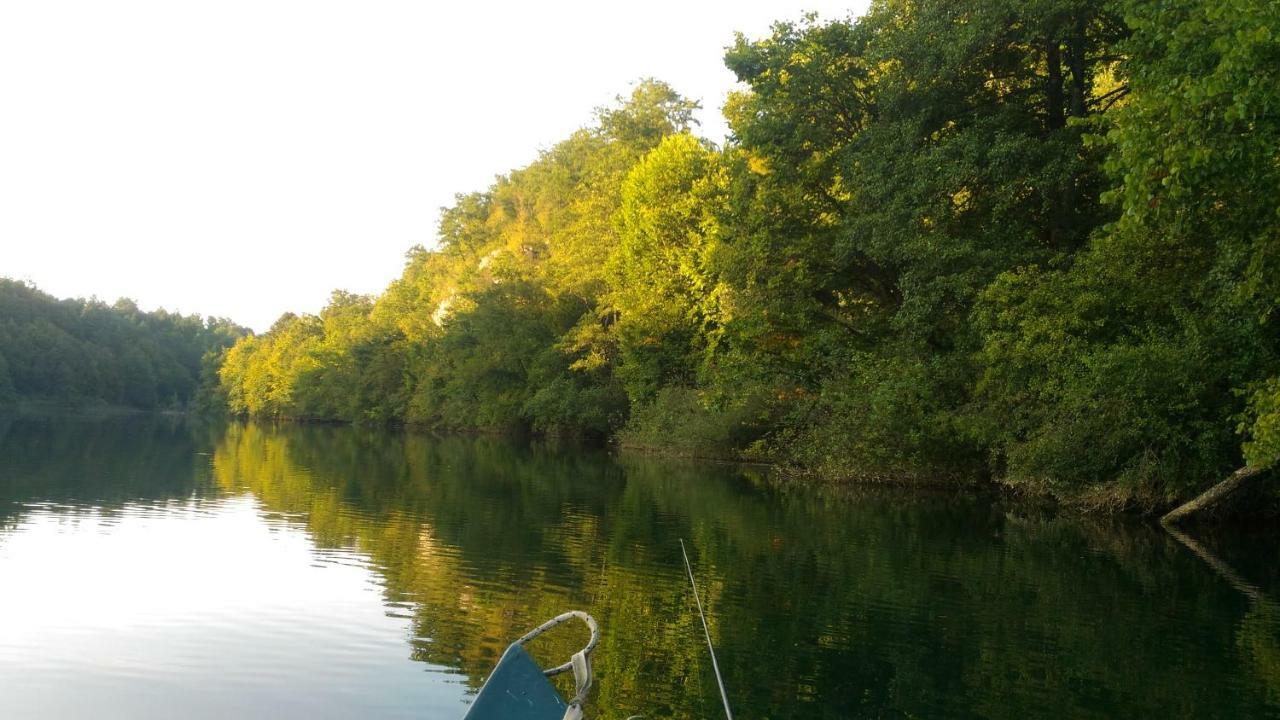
(706, 631)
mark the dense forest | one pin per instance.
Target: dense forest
(1031, 241)
(79, 352)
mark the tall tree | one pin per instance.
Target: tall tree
(1130, 368)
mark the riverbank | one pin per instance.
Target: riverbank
(56, 408)
(1261, 501)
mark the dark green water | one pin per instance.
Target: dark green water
(156, 570)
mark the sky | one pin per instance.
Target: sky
(244, 158)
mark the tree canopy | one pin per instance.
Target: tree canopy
(77, 351)
(1030, 241)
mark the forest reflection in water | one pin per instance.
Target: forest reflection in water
(823, 603)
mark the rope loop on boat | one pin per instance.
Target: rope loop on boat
(580, 663)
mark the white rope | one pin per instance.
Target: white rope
(580, 663)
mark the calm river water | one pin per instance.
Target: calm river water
(153, 569)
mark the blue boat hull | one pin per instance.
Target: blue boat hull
(517, 690)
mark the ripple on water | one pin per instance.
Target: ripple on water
(161, 607)
(311, 572)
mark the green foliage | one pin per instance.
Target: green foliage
(485, 331)
(882, 417)
(894, 167)
(1131, 363)
(663, 293)
(476, 374)
(1034, 241)
(678, 420)
(1263, 447)
(77, 351)
(340, 365)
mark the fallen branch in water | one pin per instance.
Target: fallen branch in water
(1213, 496)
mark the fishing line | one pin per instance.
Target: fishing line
(706, 631)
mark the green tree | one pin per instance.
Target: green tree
(1129, 368)
(77, 351)
(894, 167)
(663, 291)
(1035, 241)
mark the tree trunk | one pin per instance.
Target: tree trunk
(1055, 112)
(1210, 498)
(1053, 86)
(1075, 57)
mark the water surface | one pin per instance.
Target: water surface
(153, 569)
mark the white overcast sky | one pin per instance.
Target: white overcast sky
(243, 158)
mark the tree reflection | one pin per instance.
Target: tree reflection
(875, 603)
(103, 462)
(823, 603)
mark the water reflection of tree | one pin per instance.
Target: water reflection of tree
(823, 604)
(483, 539)
(1258, 635)
(823, 607)
(102, 463)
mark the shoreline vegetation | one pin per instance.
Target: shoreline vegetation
(89, 357)
(1027, 245)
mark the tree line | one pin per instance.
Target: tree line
(1031, 241)
(78, 352)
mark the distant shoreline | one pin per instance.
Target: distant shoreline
(92, 409)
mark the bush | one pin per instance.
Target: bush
(678, 421)
(1263, 427)
(881, 418)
